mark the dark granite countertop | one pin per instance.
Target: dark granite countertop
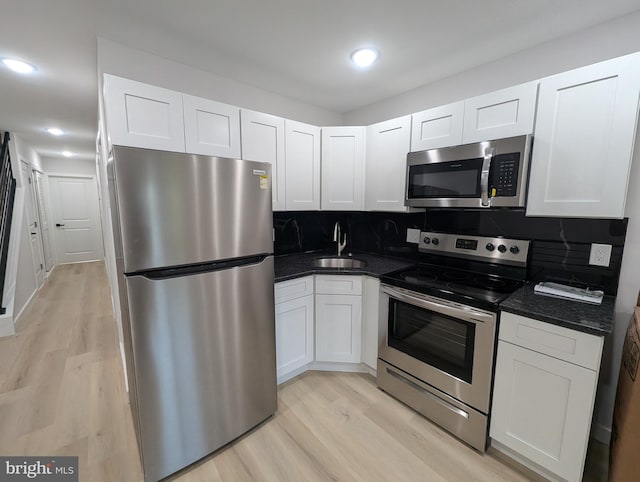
(588, 318)
(297, 265)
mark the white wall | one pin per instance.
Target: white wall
(605, 41)
(25, 281)
(134, 64)
(63, 165)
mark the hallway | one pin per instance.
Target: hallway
(61, 385)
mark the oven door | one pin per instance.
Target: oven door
(446, 345)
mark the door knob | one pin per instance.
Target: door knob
(33, 234)
(58, 225)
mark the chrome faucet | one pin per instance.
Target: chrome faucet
(336, 238)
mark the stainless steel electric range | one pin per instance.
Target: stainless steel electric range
(441, 321)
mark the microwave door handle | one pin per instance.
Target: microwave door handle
(484, 177)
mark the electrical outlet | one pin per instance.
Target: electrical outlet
(600, 254)
(413, 236)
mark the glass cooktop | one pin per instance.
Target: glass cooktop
(469, 287)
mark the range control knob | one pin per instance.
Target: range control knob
(502, 248)
(435, 241)
(426, 240)
(514, 250)
(490, 247)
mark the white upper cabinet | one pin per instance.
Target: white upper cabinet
(343, 168)
(263, 140)
(583, 141)
(387, 146)
(503, 113)
(142, 115)
(302, 161)
(437, 127)
(211, 128)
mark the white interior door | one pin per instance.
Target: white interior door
(76, 216)
(32, 224)
(44, 215)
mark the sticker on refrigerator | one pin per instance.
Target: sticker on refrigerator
(264, 182)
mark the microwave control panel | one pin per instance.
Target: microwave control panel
(504, 175)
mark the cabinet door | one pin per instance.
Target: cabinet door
(302, 161)
(385, 165)
(338, 328)
(142, 115)
(342, 168)
(583, 141)
(211, 128)
(504, 113)
(437, 127)
(294, 335)
(370, 321)
(263, 141)
(542, 409)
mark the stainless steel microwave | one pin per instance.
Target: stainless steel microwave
(481, 175)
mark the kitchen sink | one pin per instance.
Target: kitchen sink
(338, 262)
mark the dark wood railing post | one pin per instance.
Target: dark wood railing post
(7, 195)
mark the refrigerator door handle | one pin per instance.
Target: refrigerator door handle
(179, 271)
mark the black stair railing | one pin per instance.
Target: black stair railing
(7, 194)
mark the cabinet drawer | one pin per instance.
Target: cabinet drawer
(573, 346)
(292, 289)
(338, 285)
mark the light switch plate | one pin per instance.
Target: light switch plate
(413, 236)
(600, 254)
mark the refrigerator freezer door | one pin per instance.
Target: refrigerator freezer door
(204, 361)
(181, 209)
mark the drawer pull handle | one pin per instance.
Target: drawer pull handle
(435, 398)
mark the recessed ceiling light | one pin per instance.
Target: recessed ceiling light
(54, 131)
(67, 153)
(364, 57)
(18, 66)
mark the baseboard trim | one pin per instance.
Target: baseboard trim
(17, 317)
(6, 325)
(79, 262)
(328, 367)
(601, 433)
(531, 470)
(123, 359)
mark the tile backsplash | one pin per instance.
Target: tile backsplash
(559, 252)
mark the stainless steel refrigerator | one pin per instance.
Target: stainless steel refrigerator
(194, 252)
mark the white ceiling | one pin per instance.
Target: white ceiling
(298, 48)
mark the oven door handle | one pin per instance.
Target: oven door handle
(458, 311)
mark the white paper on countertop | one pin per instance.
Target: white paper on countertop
(566, 292)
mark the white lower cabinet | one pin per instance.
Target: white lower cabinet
(542, 404)
(338, 318)
(338, 328)
(326, 322)
(371, 331)
(294, 326)
(294, 335)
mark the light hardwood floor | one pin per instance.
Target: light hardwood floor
(62, 393)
